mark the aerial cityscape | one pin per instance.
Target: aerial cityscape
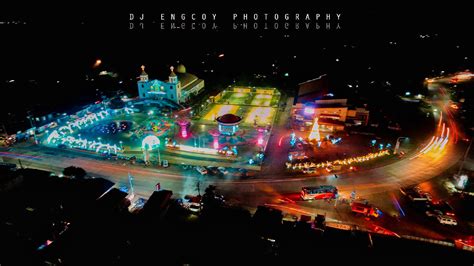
(125, 142)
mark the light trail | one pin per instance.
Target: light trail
(431, 146)
(279, 142)
(440, 119)
(397, 204)
(422, 150)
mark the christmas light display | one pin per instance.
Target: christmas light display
(347, 161)
(63, 135)
(314, 134)
(149, 142)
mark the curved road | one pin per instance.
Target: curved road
(250, 192)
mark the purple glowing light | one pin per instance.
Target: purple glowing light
(309, 110)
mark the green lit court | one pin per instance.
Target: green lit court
(256, 106)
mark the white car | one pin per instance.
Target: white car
(165, 163)
(201, 170)
(194, 207)
(444, 219)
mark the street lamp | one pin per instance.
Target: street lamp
(159, 155)
(32, 127)
(397, 146)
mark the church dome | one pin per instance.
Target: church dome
(229, 119)
(181, 69)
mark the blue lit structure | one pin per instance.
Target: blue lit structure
(179, 87)
(228, 124)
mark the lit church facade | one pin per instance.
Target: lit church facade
(179, 87)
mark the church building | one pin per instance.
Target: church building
(179, 87)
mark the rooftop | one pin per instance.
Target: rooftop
(229, 119)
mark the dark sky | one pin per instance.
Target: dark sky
(63, 46)
(57, 42)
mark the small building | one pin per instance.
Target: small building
(333, 114)
(157, 205)
(179, 87)
(313, 88)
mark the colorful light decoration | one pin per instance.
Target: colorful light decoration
(260, 136)
(309, 110)
(461, 182)
(183, 125)
(215, 135)
(149, 142)
(82, 143)
(292, 139)
(234, 150)
(196, 149)
(63, 134)
(314, 134)
(347, 161)
(128, 110)
(84, 121)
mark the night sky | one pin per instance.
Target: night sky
(396, 44)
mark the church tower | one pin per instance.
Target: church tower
(143, 75)
(173, 78)
(143, 84)
(174, 92)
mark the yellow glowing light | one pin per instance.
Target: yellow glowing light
(263, 96)
(196, 149)
(219, 110)
(97, 63)
(262, 115)
(239, 95)
(346, 161)
(262, 100)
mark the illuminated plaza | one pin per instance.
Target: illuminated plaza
(125, 131)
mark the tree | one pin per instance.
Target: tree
(75, 172)
(211, 199)
(116, 103)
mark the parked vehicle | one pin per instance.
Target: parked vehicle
(433, 213)
(165, 163)
(201, 170)
(192, 203)
(8, 166)
(447, 220)
(445, 208)
(212, 170)
(223, 170)
(416, 194)
(194, 207)
(365, 209)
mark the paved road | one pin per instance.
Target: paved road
(374, 184)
